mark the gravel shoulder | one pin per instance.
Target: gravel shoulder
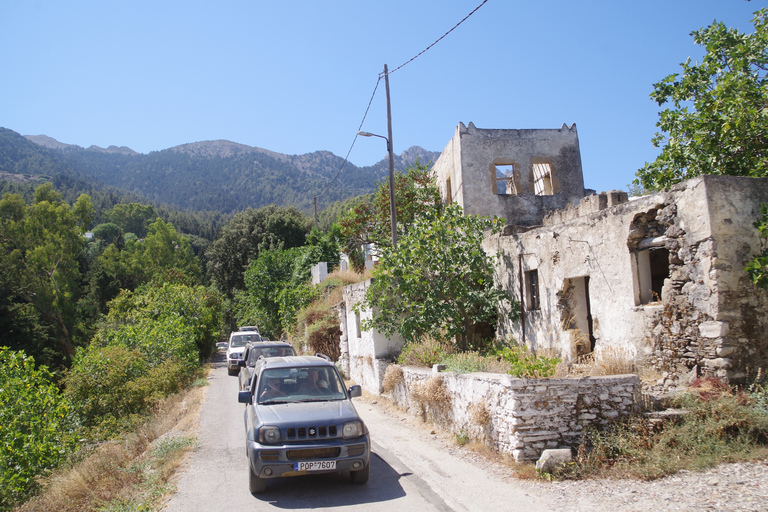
(733, 487)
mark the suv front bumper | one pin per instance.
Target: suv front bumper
(269, 461)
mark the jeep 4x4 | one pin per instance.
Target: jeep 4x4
(299, 419)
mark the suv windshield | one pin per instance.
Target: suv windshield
(242, 340)
(301, 384)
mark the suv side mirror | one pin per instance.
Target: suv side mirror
(241, 363)
(355, 391)
(244, 397)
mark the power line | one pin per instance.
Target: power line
(381, 75)
(439, 39)
(346, 158)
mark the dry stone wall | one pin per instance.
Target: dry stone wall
(520, 417)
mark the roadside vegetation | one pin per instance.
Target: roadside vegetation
(714, 424)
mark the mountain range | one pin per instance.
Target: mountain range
(220, 175)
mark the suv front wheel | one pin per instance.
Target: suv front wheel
(360, 477)
(256, 484)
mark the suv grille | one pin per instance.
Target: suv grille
(313, 453)
(311, 432)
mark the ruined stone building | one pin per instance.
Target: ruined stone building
(659, 278)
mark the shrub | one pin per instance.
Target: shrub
(36, 431)
(525, 364)
(323, 335)
(425, 353)
(97, 384)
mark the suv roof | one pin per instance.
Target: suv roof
(291, 361)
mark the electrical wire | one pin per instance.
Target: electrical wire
(437, 41)
(381, 75)
(346, 158)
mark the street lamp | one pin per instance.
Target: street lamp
(391, 184)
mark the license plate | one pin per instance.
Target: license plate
(316, 465)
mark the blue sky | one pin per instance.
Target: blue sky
(296, 76)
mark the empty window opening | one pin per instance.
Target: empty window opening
(542, 179)
(448, 193)
(504, 179)
(651, 268)
(532, 286)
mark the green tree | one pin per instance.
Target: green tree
(718, 119)
(109, 232)
(132, 217)
(758, 267)
(439, 281)
(36, 427)
(41, 245)
(246, 235)
(168, 321)
(369, 222)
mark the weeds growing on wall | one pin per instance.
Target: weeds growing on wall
(721, 424)
(512, 359)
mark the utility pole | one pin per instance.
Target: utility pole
(391, 162)
(315, 212)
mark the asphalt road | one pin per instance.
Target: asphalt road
(411, 469)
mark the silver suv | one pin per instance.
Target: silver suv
(299, 419)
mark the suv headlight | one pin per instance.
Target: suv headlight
(269, 435)
(352, 429)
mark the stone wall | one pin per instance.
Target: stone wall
(599, 291)
(520, 417)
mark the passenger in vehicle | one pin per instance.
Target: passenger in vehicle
(272, 389)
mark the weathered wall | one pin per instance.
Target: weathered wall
(708, 319)
(468, 160)
(366, 353)
(521, 417)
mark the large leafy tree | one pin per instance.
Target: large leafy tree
(246, 235)
(717, 121)
(36, 427)
(133, 217)
(40, 247)
(278, 283)
(439, 281)
(369, 221)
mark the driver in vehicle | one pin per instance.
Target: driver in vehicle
(272, 389)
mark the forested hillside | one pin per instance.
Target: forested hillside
(217, 176)
(25, 165)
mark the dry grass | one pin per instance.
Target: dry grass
(434, 398)
(479, 414)
(609, 361)
(132, 471)
(345, 277)
(393, 376)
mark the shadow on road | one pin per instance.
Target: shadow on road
(334, 490)
(218, 359)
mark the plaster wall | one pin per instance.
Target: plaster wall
(468, 164)
(367, 352)
(708, 319)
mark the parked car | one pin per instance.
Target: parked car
(238, 340)
(260, 349)
(299, 419)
